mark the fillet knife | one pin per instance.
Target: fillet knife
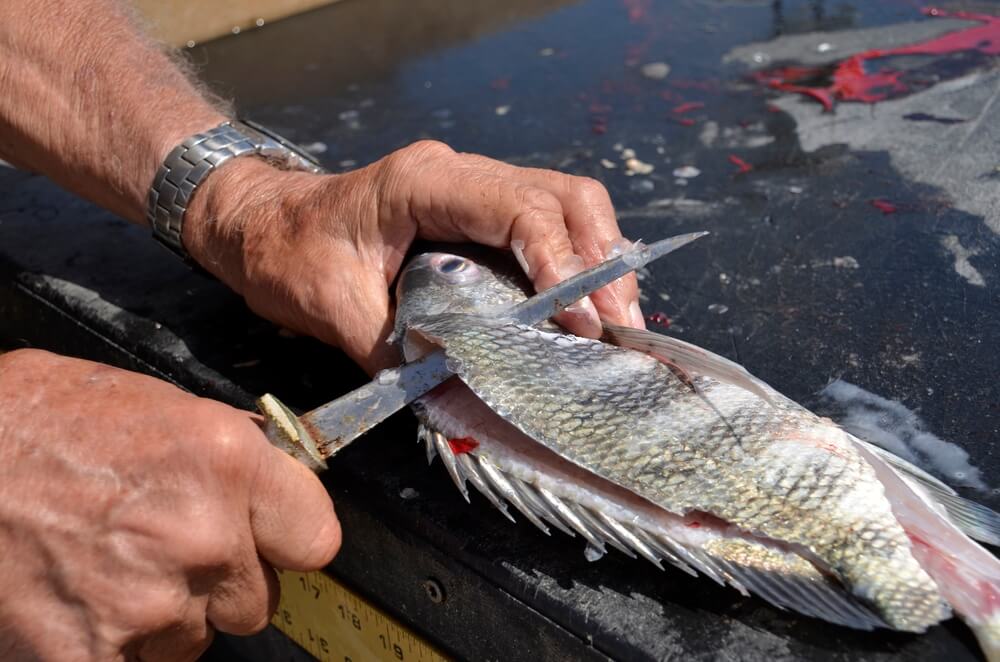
(316, 435)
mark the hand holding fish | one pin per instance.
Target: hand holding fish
(317, 253)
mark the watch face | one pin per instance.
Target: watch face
(287, 144)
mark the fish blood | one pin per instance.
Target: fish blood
(884, 206)
(856, 78)
(463, 445)
(742, 165)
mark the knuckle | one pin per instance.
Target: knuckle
(431, 148)
(532, 199)
(420, 151)
(157, 610)
(224, 434)
(247, 615)
(590, 189)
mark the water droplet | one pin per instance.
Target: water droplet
(718, 308)
(593, 553)
(452, 364)
(408, 493)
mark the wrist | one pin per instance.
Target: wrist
(238, 205)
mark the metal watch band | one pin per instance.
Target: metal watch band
(193, 160)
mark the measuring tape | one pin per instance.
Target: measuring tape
(334, 623)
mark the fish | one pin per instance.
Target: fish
(658, 448)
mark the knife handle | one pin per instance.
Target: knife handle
(285, 431)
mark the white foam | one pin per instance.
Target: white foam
(890, 425)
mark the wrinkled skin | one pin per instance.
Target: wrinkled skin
(317, 254)
(135, 518)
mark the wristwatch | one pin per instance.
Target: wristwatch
(188, 164)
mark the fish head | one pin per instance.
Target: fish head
(472, 280)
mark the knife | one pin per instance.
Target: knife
(321, 433)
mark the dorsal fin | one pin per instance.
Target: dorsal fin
(686, 357)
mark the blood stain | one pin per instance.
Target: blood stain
(884, 206)
(660, 319)
(462, 445)
(740, 163)
(687, 107)
(851, 80)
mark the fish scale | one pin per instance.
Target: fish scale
(491, 360)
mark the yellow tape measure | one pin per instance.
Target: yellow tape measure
(334, 623)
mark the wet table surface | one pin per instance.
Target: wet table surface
(854, 260)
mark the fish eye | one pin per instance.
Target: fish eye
(452, 265)
(455, 269)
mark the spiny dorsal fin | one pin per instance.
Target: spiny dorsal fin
(686, 357)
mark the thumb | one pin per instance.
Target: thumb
(360, 315)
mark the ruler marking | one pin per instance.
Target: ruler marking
(332, 622)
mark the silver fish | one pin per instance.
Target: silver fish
(664, 450)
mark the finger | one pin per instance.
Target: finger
(461, 200)
(550, 259)
(359, 313)
(244, 602)
(291, 515)
(593, 231)
(183, 641)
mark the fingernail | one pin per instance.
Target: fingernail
(619, 246)
(638, 321)
(517, 248)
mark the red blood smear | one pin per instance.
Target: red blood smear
(463, 445)
(599, 127)
(501, 83)
(851, 81)
(884, 206)
(684, 121)
(694, 525)
(660, 319)
(688, 106)
(740, 163)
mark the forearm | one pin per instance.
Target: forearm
(89, 101)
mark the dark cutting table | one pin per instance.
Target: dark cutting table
(804, 279)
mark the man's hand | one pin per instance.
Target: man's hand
(135, 518)
(318, 253)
